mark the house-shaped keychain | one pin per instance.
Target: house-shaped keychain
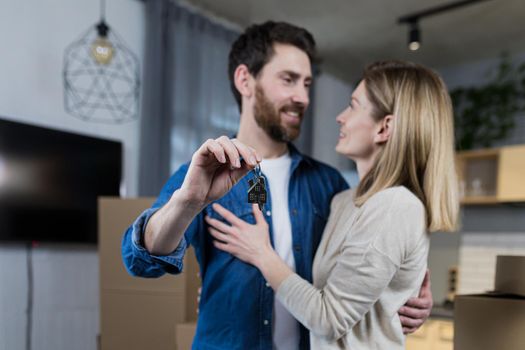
(257, 191)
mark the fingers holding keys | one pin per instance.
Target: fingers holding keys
(215, 168)
(210, 147)
(248, 153)
(226, 150)
(236, 151)
(231, 150)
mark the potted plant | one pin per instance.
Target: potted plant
(486, 113)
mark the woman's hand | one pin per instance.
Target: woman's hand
(249, 243)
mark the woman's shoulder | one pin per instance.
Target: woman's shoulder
(394, 197)
(395, 206)
(398, 217)
(343, 198)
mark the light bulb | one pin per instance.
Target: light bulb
(414, 37)
(414, 46)
(102, 50)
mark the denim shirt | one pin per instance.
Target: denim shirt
(236, 305)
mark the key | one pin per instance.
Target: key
(257, 191)
(262, 194)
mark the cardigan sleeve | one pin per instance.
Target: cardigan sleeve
(374, 248)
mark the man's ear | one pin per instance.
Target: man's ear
(385, 129)
(243, 80)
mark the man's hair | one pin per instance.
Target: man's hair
(254, 48)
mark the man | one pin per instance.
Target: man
(270, 75)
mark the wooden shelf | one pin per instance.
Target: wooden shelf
(492, 176)
(480, 200)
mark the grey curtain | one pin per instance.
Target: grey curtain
(186, 96)
(154, 153)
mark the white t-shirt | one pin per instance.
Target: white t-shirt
(285, 328)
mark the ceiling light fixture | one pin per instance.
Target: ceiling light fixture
(414, 33)
(101, 76)
(414, 37)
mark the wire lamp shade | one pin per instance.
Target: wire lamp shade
(101, 77)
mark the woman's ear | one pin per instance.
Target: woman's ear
(385, 129)
(242, 80)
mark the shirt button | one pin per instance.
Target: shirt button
(267, 284)
(265, 322)
(268, 213)
(294, 211)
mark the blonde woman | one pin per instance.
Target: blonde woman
(372, 258)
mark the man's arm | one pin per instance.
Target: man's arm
(214, 169)
(166, 227)
(415, 312)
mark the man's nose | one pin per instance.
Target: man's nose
(301, 95)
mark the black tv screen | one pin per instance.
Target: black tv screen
(50, 181)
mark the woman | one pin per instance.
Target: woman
(398, 129)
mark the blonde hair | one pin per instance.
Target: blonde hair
(420, 151)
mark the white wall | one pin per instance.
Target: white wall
(33, 36)
(474, 73)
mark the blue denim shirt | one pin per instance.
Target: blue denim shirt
(235, 310)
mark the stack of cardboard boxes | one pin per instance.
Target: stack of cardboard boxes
(141, 313)
(494, 320)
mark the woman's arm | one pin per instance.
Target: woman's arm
(329, 312)
(365, 266)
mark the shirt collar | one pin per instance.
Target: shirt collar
(297, 157)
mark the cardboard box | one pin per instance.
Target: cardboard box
(185, 333)
(136, 320)
(114, 217)
(489, 322)
(193, 283)
(139, 313)
(510, 275)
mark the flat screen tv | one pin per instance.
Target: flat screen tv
(50, 181)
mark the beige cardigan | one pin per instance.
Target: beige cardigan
(369, 262)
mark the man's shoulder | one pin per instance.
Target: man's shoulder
(321, 167)
(323, 176)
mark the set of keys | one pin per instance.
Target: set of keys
(257, 191)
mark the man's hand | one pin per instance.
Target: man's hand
(415, 312)
(215, 168)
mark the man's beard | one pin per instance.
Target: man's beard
(268, 117)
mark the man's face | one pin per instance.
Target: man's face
(281, 93)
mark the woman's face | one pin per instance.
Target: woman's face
(357, 136)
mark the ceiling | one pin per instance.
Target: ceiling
(352, 33)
